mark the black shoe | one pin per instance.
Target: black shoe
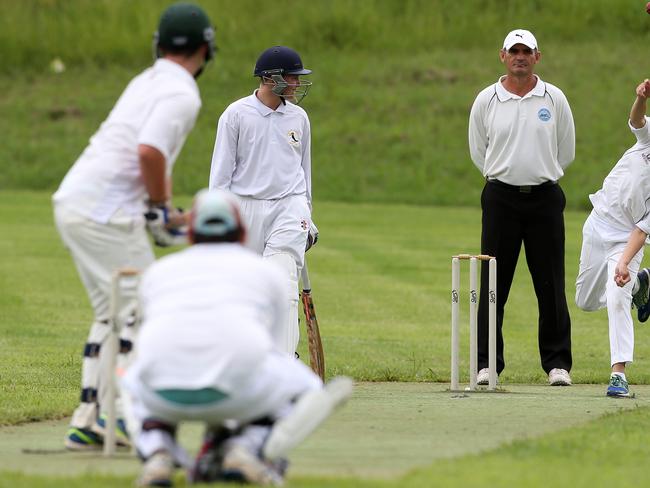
(207, 465)
(641, 299)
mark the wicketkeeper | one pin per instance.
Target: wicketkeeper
(123, 174)
(210, 349)
(262, 153)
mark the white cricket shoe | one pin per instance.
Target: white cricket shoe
(483, 377)
(157, 470)
(559, 377)
(252, 468)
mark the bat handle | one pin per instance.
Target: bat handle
(304, 277)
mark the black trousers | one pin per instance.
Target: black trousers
(535, 217)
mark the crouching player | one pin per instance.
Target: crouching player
(612, 246)
(210, 349)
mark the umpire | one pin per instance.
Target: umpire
(522, 137)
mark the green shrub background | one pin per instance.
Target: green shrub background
(393, 84)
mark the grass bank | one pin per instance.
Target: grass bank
(393, 84)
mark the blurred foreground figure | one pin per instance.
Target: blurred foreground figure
(123, 175)
(210, 349)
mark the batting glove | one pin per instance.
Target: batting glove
(312, 236)
(163, 234)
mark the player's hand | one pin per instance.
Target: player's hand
(312, 236)
(621, 274)
(643, 90)
(177, 217)
(166, 226)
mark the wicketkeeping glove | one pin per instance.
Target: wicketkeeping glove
(164, 235)
(312, 236)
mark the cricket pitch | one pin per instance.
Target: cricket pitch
(384, 431)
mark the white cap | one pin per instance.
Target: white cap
(520, 36)
(215, 213)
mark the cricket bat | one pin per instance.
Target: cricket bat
(316, 355)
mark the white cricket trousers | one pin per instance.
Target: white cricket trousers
(97, 250)
(277, 230)
(268, 391)
(596, 288)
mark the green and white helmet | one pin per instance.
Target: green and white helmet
(183, 27)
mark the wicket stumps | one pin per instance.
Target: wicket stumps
(473, 310)
(112, 349)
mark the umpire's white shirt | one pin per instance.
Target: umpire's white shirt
(210, 315)
(262, 153)
(624, 200)
(158, 108)
(522, 140)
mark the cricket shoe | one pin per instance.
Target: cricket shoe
(641, 299)
(157, 470)
(121, 434)
(559, 377)
(207, 465)
(79, 439)
(618, 387)
(483, 377)
(240, 464)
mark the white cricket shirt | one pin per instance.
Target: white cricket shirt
(262, 153)
(158, 108)
(522, 140)
(206, 309)
(624, 200)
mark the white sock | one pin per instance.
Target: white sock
(621, 375)
(636, 285)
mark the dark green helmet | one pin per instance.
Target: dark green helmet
(183, 27)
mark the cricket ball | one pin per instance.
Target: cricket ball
(647, 7)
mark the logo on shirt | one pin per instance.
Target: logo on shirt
(293, 138)
(544, 114)
(646, 157)
(304, 224)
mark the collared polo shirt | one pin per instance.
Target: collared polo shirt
(522, 140)
(262, 153)
(158, 108)
(624, 199)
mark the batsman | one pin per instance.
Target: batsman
(122, 183)
(262, 153)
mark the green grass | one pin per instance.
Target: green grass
(381, 286)
(610, 451)
(405, 434)
(596, 455)
(393, 84)
(389, 111)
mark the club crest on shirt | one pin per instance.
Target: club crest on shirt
(544, 114)
(293, 138)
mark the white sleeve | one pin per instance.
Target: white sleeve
(566, 136)
(478, 139)
(643, 134)
(224, 155)
(306, 159)
(168, 125)
(644, 224)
